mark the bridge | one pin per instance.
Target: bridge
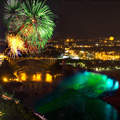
(47, 61)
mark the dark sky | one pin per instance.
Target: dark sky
(82, 19)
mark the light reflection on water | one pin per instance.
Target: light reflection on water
(91, 108)
(99, 110)
(75, 107)
(39, 82)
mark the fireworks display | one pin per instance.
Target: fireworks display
(11, 14)
(32, 20)
(15, 43)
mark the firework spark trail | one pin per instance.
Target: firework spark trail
(15, 43)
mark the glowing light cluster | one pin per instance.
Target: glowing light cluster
(23, 76)
(106, 56)
(37, 77)
(111, 38)
(5, 79)
(15, 43)
(48, 77)
(0, 113)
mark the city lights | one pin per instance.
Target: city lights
(39, 77)
(1, 113)
(23, 76)
(34, 77)
(111, 38)
(5, 79)
(48, 78)
(2, 56)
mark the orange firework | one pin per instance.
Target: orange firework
(15, 42)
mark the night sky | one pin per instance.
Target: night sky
(82, 19)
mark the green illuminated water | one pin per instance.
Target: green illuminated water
(90, 84)
(76, 98)
(74, 106)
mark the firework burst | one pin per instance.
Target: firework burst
(39, 22)
(32, 20)
(15, 43)
(11, 14)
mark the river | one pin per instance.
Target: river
(59, 104)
